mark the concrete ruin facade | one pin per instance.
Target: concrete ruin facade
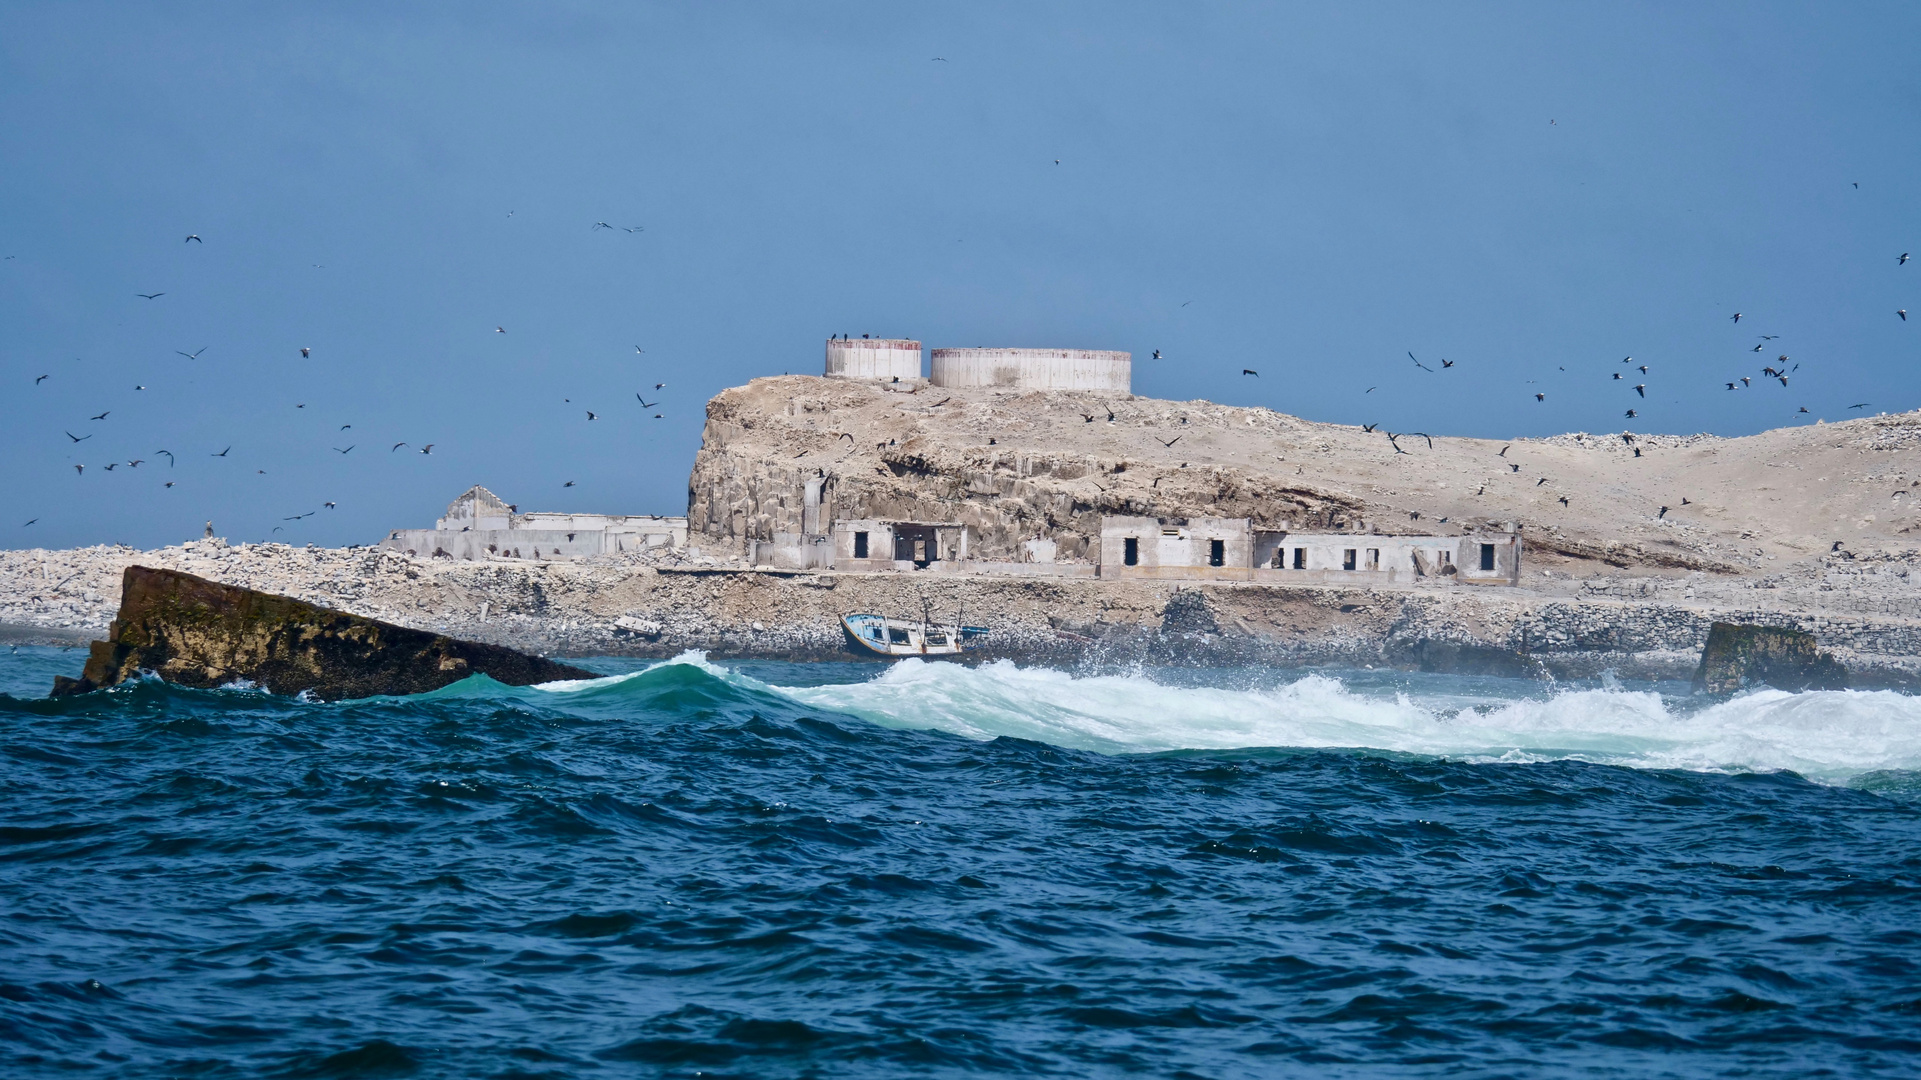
(887, 359)
(1232, 549)
(1034, 369)
(479, 525)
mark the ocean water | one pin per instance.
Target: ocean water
(768, 870)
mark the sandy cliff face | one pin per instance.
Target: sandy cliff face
(1015, 465)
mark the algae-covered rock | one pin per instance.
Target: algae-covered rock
(200, 633)
(1737, 656)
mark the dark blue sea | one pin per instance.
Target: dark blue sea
(767, 870)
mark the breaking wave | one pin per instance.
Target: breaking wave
(1830, 735)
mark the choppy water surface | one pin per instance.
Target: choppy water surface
(847, 870)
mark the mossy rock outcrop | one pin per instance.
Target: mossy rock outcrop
(200, 633)
(1739, 656)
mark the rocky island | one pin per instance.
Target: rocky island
(1634, 545)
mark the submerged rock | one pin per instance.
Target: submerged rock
(200, 633)
(1737, 656)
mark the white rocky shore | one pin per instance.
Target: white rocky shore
(1573, 617)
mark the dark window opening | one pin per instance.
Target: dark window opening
(1487, 556)
(1131, 551)
(860, 545)
(1350, 558)
(1373, 558)
(1216, 552)
(1300, 558)
(916, 544)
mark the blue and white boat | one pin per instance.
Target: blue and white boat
(906, 637)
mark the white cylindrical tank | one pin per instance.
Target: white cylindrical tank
(873, 358)
(1035, 369)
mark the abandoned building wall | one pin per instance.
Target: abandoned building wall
(880, 358)
(1034, 369)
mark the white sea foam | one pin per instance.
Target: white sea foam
(1831, 735)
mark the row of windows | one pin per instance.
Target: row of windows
(1217, 555)
(1350, 557)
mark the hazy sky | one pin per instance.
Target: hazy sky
(1311, 191)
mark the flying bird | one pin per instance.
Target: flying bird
(1737, 316)
(500, 329)
(637, 228)
(24, 525)
(427, 449)
(942, 59)
(193, 238)
(191, 355)
(657, 416)
(150, 295)
(1504, 450)
(638, 349)
(169, 454)
(168, 484)
(1903, 312)
(1641, 389)
(1157, 354)
(600, 225)
(80, 469)
(136, 463)
(1369, 390)
(1631, 414)
(1803, 409)
(1863, 405)
(111, 466)
(659, 385)
(1903, 260)
(1369, 427)
(568, 484)
(77, 438)
(1447, 363)
(1769, 337)
(1169, 443)
(349, 449)
(345, 427)
(37, 382)
(305, 352)
(1541, 481)
(102, 416)
(1617, 374)
(396, 446)
(139, 388)
(1758, 348)
(222, 453)
(645, 404)
(1417, 362)
(328, 505)
(1540, 397)
(590, 412)
(1250, 371)
(1564, 500)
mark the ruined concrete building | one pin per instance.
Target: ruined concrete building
(479, 525)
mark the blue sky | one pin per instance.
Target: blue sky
(1309, 191)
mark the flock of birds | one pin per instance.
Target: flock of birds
(306, 352)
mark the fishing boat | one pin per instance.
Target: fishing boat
(908, 637)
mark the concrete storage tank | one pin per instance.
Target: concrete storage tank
(873, 358)
(1035, 369)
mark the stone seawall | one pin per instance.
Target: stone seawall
(625, 605)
